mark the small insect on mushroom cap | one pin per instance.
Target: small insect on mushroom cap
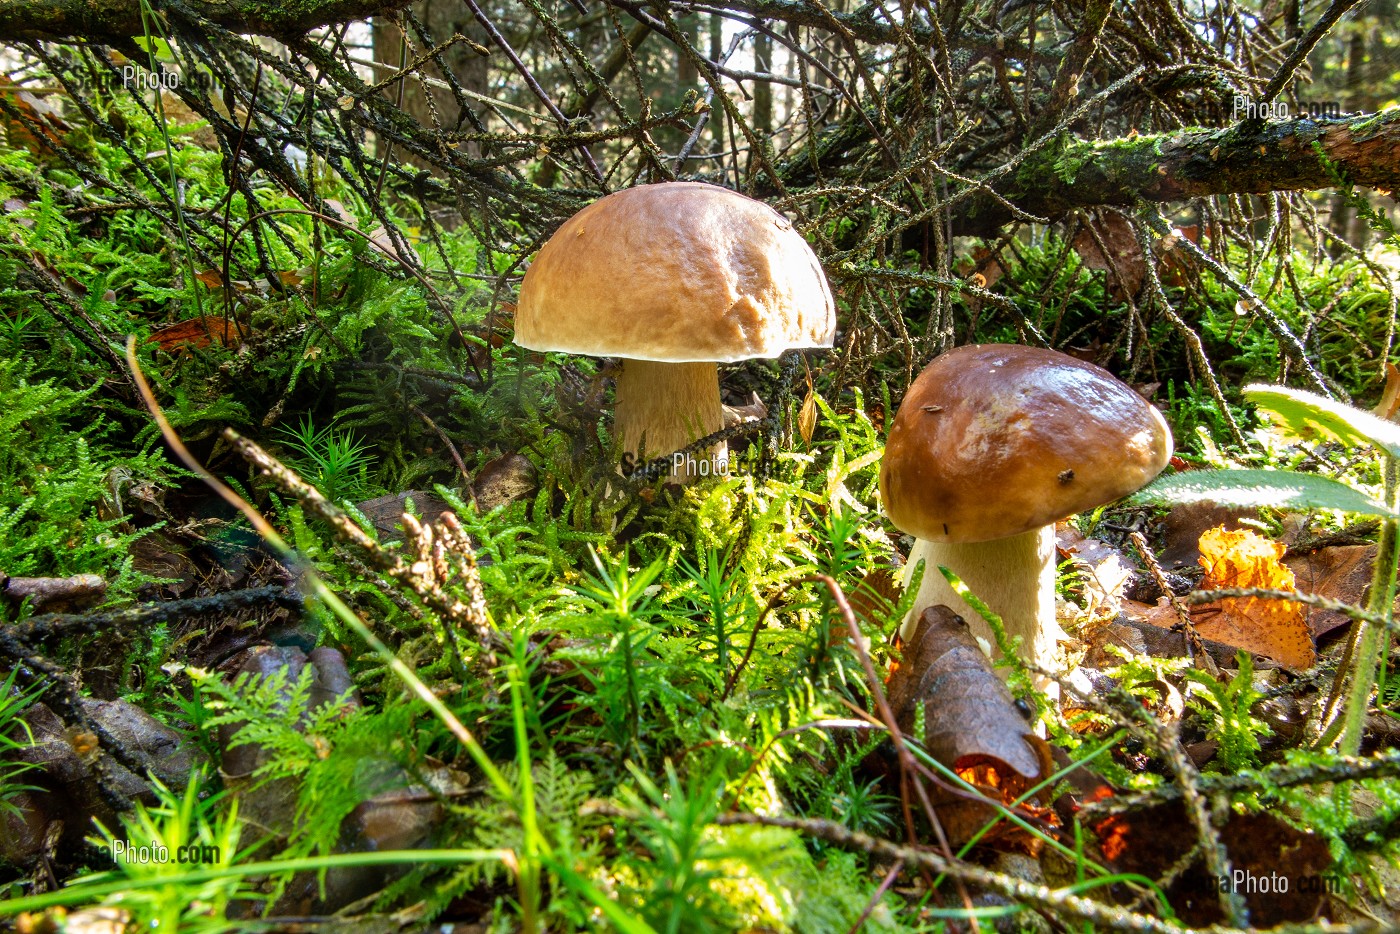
(993, 440)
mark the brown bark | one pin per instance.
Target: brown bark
(121, 19)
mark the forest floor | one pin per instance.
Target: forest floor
(325, 604)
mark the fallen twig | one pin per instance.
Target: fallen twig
(50, 625)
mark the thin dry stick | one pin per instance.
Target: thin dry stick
(1337, 769)
(907, 766)
(1055, 901)
(1308, 599)
(1149, 560)
(416, 576)
(877, 895)
(269, 534)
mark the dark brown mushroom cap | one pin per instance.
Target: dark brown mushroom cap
(676, 272)
(993, 440)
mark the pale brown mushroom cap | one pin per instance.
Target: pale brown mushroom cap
(676, 272)
(993, 440)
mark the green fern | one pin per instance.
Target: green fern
(1225, 706)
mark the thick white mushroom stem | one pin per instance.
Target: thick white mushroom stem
(670, 405)
(1014, 576)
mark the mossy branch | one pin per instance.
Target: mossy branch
(1196, 163)
(121, 19)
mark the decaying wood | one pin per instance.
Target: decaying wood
(54, 593)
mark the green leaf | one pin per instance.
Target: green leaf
(1277, 488)
(157, 47)
(1313, 417)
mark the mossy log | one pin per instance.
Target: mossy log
(121, 19)
(1245, 158)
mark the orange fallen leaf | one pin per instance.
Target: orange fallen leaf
(1276, 628)
(196, 332)
(45, 118)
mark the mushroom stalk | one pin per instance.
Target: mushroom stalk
(667, 406)
(1014, 576)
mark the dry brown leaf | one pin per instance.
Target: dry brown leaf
(1259, 845)
(1342, 572)
(1124, 265)
(380, 240)
(40, 111)
(1187, 522)
(755, 411)
(211, 278)
(807, 418)
(1149, 631)
(971, 724)
(1276, 628)
(14, 206)
(196, 332)
(337, 210)
(178, 113)
(504, 480)
(1101, 567)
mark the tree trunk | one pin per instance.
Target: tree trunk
(763, 90)
(432, 105)
(1340, 219)
(717, 116)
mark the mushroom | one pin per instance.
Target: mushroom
(992, 445)
(674, 278)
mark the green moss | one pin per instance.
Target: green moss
(1375, 122)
